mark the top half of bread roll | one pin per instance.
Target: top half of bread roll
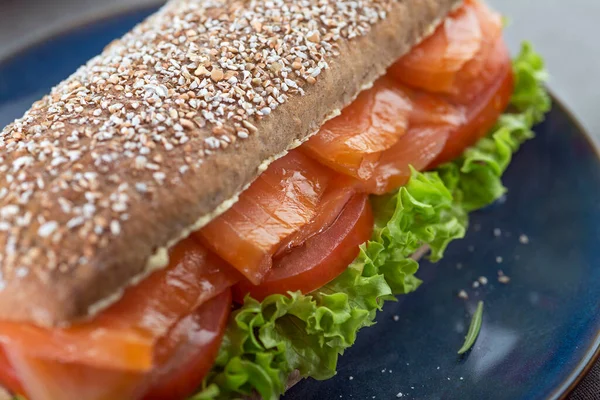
(159, 134)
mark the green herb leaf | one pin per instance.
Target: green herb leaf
(474, 329)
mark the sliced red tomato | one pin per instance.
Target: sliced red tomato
(182, 359)
(431, 121)
(320, 259)
(483, 112)
(477, 74)
(433, 64)
(188, 352)
(353, 142)
(283, 199)
(125, 335)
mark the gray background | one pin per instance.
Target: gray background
(564, 31)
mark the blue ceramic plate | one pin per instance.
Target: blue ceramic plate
(540, 331)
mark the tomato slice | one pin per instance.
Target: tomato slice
(281, 200)
(353, 142)
(483, 112)
(433, 64)
(124, 336)
(431, 122)
(188, 352)
(182, 359)
(320, 259)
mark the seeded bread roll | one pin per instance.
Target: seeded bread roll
(158, 135)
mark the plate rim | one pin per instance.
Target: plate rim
(592, 355)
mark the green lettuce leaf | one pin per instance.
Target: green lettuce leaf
(265, 341)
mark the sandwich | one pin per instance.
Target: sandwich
(216, 205)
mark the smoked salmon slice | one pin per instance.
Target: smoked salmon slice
(426, 122)
(279, 203)
(418, 149)
(431, 122)
(433, 64)
(353, 142)
(339, 191)
(482, 113)
(53, 380)
(476, 74)
(124, 336)
(184, 355)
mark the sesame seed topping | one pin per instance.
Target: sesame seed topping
(115, 228)
(21, 272)
(197, 77)
(47, 228)
(217, 75)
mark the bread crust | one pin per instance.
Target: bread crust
(119, 162)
